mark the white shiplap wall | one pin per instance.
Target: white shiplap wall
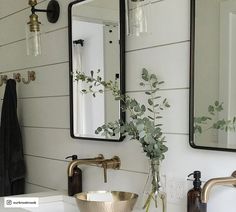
(44, 105)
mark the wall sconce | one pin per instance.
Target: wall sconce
(33, 31)
(138, 16)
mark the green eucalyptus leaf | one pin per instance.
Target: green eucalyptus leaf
(151, 118)
(153, 77)
(142, 134)
(137, 109)
(150, 102)
(140, 127)
(155, 84)
(145, 71)
(167, 105)
(143, 108)
(211, 108)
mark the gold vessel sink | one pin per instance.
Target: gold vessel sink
(104, 201)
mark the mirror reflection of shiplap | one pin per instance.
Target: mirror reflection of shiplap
(99, 50)
(214, 60)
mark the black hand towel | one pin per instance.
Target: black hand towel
(12, 165)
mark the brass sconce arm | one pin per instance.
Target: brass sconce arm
(100, 161)
(53, 10)
(217, 181)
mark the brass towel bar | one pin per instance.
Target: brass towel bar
(17, 77)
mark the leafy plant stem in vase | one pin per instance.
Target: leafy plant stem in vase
(154, 194)
(143, 124)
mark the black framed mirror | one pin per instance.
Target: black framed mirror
(96, 42)
(212, 75)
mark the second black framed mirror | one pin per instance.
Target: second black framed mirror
(212, 85)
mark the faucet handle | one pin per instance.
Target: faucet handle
(234, 175)
(116, 162)
(113, 163)
(104, 165)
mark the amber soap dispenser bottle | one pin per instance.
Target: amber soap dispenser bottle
(194, 195)
(75, 182)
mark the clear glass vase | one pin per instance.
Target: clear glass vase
(154, 195)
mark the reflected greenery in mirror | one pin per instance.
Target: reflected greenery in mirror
(96, 41)
(204, 123)
(212, 75)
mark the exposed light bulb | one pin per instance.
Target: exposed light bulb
(138, 15)
(33, 36)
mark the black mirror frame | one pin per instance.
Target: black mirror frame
(191, 93)
(122, 67)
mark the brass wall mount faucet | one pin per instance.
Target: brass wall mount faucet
(100, 161)
(217, 181)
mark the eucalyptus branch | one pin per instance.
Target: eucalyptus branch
(222, 124)
(139, 126)
(127, 102)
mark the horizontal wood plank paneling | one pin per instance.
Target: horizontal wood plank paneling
(46, 112)
(9, 7)
(175, 118)
(31, 188)
(48, 173)
(164, 61)
(169, 24)
(54, 48)
(54, 112)
(42, 142)
(52, 80)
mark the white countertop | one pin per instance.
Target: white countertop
(39, 195)
(52, 197)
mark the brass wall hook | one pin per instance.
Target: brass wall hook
(31, 77)
(3, 79)
(17, 77)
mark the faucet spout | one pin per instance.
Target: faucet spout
(87, 161)
(113, 163)
(217, 181)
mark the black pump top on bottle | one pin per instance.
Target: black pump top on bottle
(197, 182)
(74, 157)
